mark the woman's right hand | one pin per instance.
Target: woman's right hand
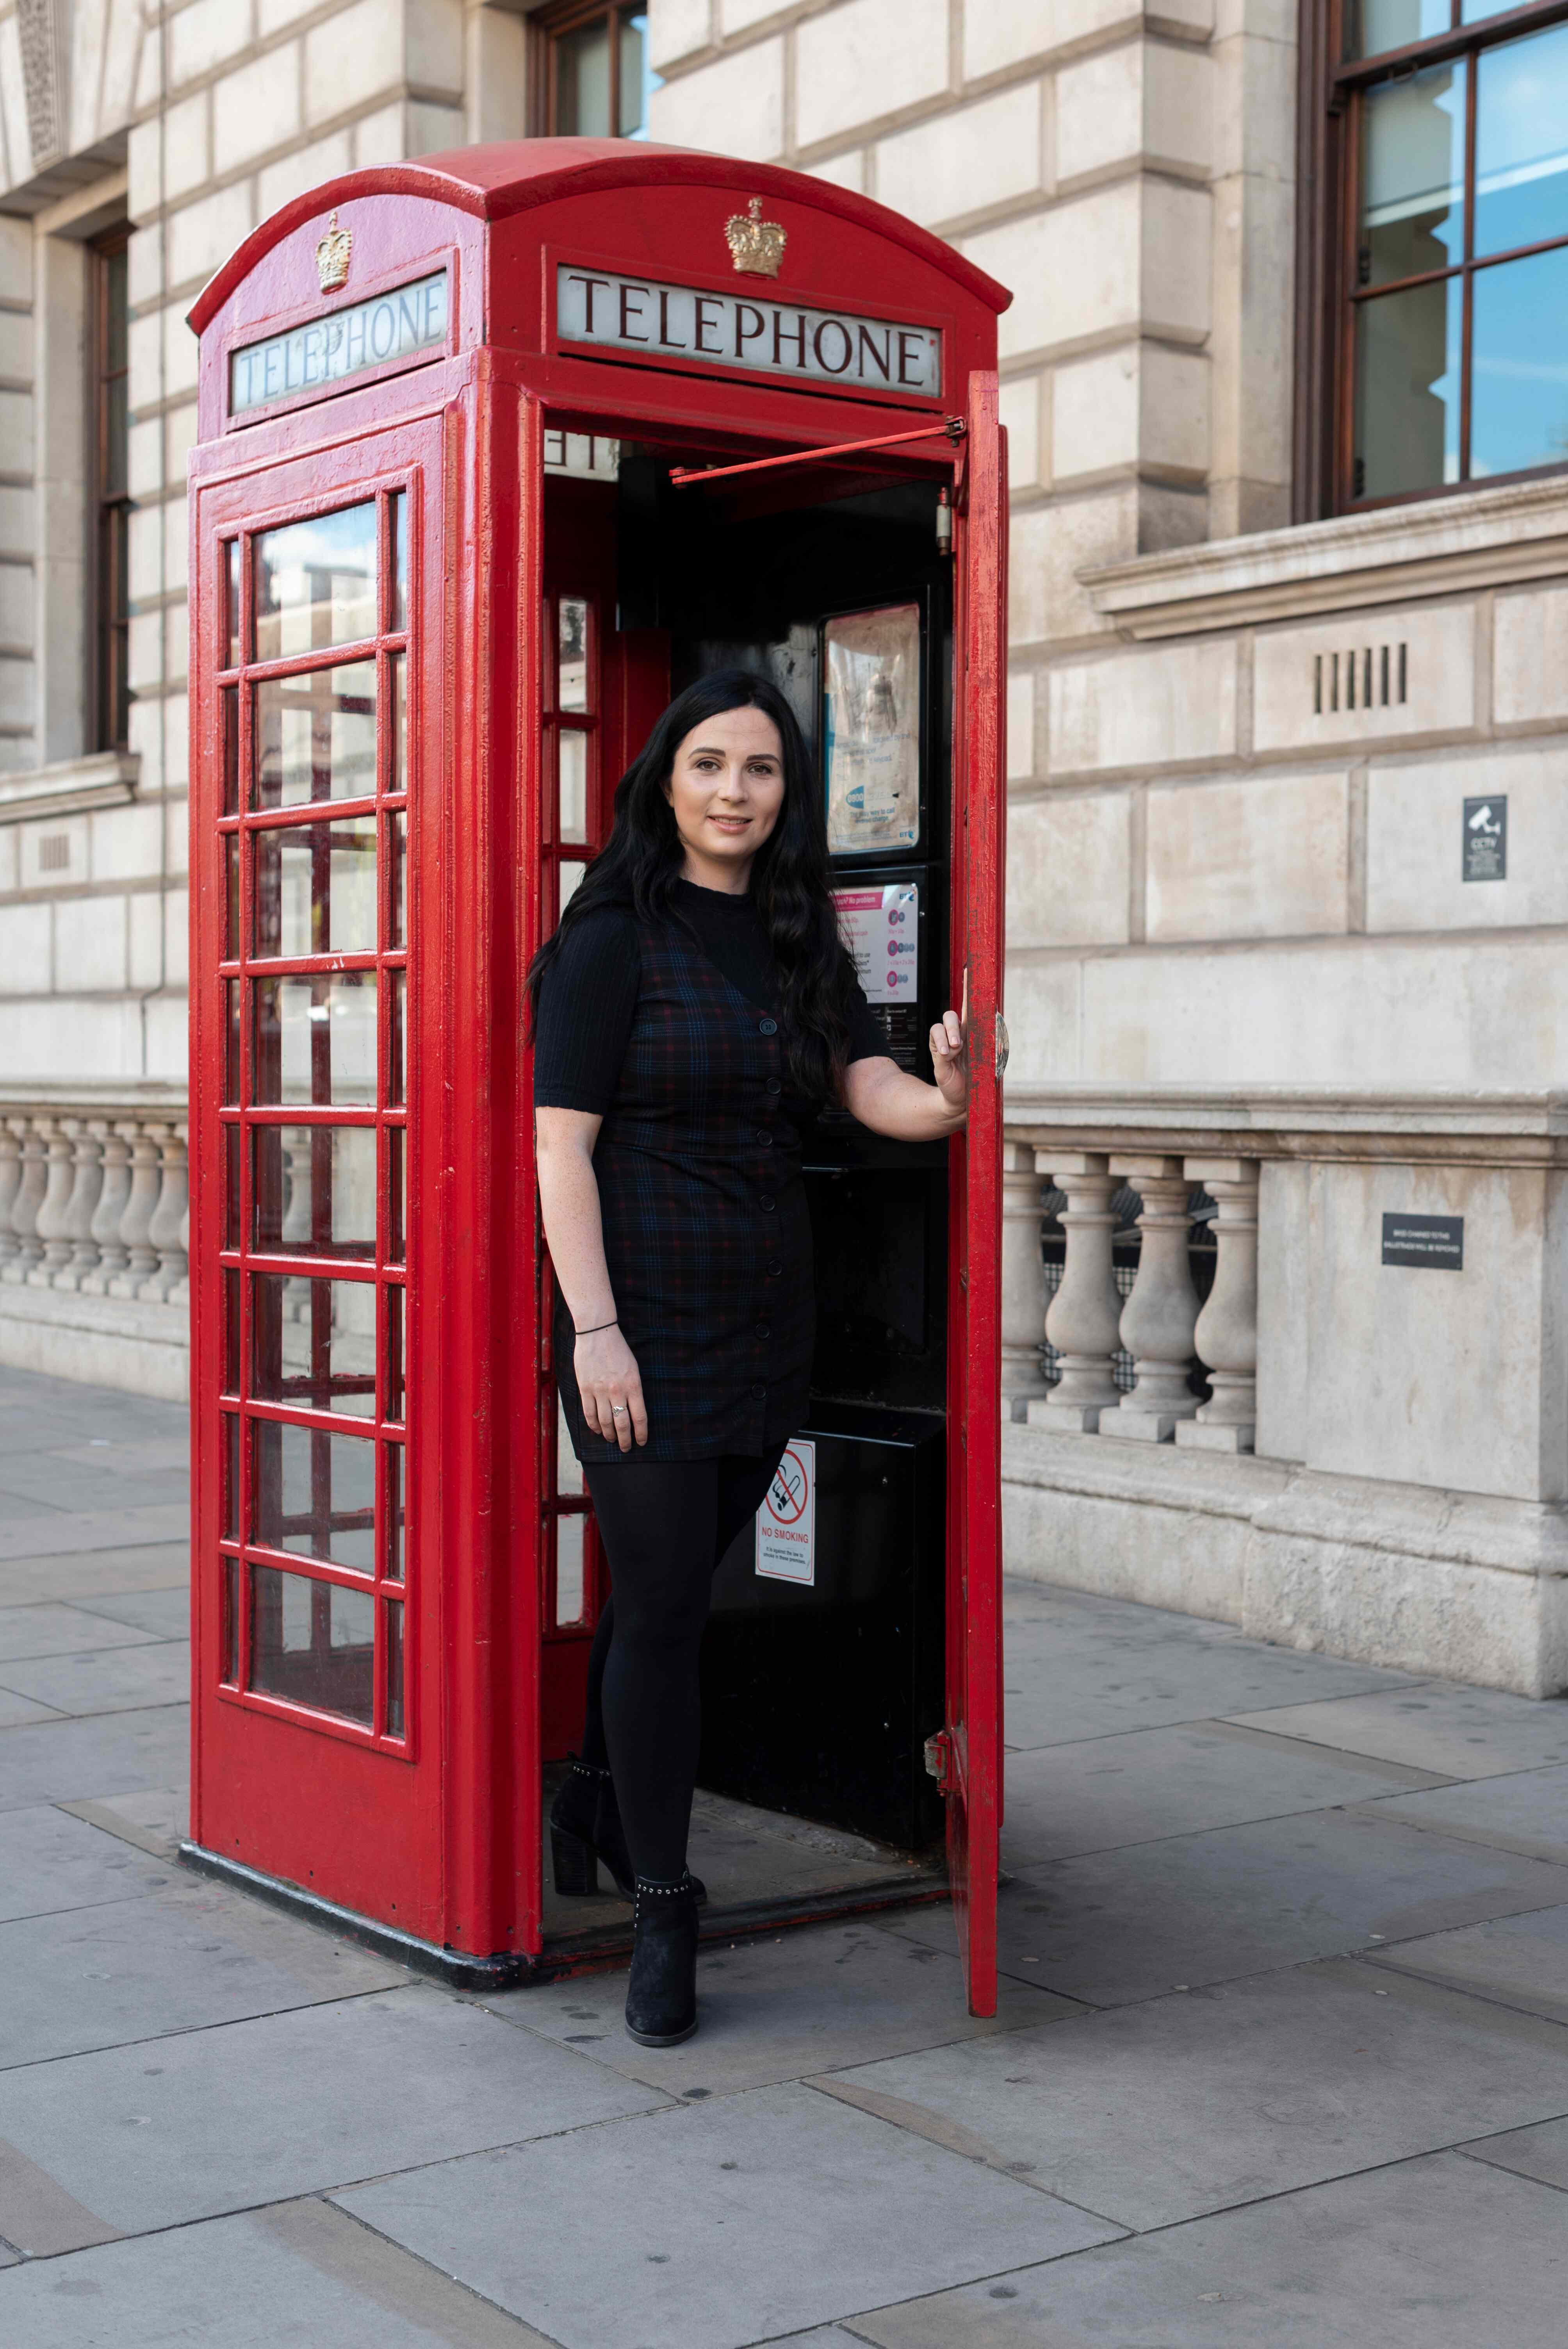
(611, 1387)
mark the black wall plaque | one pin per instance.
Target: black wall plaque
(1485, 856)
(1435, 1243)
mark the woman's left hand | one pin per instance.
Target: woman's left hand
(949, 1058)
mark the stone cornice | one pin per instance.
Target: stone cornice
(1438, 546)
(72, 787)
(1450, 1127)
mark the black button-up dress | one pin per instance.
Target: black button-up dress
(706, 1235)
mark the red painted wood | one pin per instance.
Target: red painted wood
(437, 1833)
(974, 1341)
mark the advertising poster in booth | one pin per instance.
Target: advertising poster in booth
(871, 673)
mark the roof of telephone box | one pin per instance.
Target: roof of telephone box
(514, 175)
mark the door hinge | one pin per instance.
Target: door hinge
(939, 1761)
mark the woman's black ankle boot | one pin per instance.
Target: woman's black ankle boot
(661, 1993)
(585, 1828)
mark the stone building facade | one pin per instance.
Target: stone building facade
(1287, 882)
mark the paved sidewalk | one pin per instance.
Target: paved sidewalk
(1282, 2060)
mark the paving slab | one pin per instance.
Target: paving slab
(16, 1711)
(1416, 2257)
(184, 1959)
(1078, 1671)
(1148, 1783)
(1156, 2114)
(132, 1457)
(155, 1819)
(49, 1863)
(143, 1565)
(207, 2121)
(51, 1630)
(1525, 1812)
(733, 2221)
(1522, 1961)
(1113, 1927)
(1541, 2152)
(104, 1679)
(59, 1760)
(60, 1480)
(1458, 1733)
(776, 2007)
(60, 1532)
(161, 1614)
(298, 2273)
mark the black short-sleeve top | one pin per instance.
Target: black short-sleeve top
(670, 1033)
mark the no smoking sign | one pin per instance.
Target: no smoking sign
(786, 1521)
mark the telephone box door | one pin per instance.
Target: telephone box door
(973, 1757)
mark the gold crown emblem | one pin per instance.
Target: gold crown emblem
(332, 256)
(757, 244)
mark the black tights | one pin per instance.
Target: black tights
(665, 1525)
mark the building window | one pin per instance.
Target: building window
(596, 77)
(1438, 175)
(111, 518)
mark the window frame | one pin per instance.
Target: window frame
(108, 693)
(1330, 96)
(549, 25)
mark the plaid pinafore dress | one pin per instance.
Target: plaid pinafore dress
(706, 1234)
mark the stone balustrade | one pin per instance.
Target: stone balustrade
(94, 1233)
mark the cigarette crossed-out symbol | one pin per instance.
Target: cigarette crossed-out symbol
(787, 1494)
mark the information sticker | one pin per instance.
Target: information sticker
(882, 929)
(786, 1521)
(871, 734)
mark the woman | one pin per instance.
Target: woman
(693, 1010)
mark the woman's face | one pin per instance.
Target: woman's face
(727, 788)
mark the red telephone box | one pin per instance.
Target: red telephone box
(498, 449)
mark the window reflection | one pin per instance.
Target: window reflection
(315, 888)
(1408, 390)
(315, 1494)
(313, 1343)
(1412, 166)
(316, 736)
(315, 1190)
(1519, 399)
(315, 1040)
(313, 1643)
(316, 582)
(1521, 142)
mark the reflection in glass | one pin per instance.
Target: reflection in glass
(313, 1642)
(1412, 175)
(572, 672)
(395, 1511)
(398, 517)
(229, 1628)
(229, 723)
(316, 582)
(1379, 25)
(573, 784)
(397, 1192)
(569, 1533)
(315, 888)
(398, 852)
(231, 1332)
(315, 1190)
(397, 763)
(231, 1043)
(315, 1494)
(315, 1038)
(313, 1343)
(1408, 391)
(1521, 142)
(230, 1510)
(1518, 392)
(568, 1468)
(393, 1408)
(394, 1669)
(636, 82)
(231, 952)
(571, 876)
(232, 1185)
(232, 611)
(316, 736)
(582, 82)
(397, 1041)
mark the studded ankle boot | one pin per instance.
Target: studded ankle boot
(661, 1993)
(585, 1828)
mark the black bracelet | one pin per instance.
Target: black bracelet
(597, 1327)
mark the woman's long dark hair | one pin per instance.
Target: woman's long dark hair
(641, 862)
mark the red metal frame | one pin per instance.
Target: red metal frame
(436, 1834)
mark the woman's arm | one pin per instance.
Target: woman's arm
(608, 1379)
(888, 1100)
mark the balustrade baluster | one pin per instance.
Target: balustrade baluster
(1158, 1319)
(25, 1207)
(136, 1224)
(163, 1232)
(53, 1206)
(1023, 1280)
(1226, 1337)
(1086, 1311)
(10, 1184)
(113, 1256)
(87, 1189)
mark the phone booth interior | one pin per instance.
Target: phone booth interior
(462, 523)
